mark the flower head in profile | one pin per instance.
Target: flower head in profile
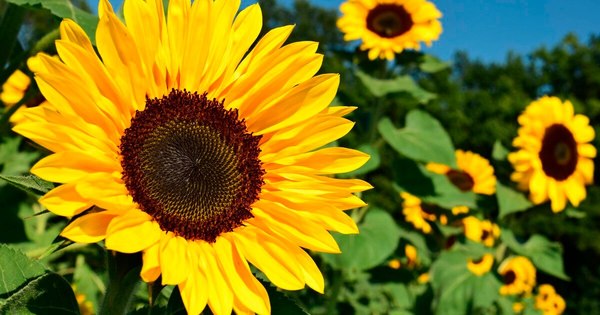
(181, 142)
(554, 157)
(387, 27)
(482, 265)
(518, 275)
(481, 231)
(15, 87)
(416, 212)
(548, 301)
(474, 173)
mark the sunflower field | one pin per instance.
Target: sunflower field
(215, 157)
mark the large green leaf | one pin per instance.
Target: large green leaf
(66, 9)
(12, 160)
(378, 238)
(29, 183)
(16, 269)
(431, 64)
(10, 24)
(27, 288)
(423, 138)
(456, 289)
(510, 201)
(545, 255)
(47, 294)
(380, 88)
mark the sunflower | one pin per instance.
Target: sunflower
(474, 173)
(548, 301)
(387, 27)
(518, 275)
(482, 265)
(554, 157)
(416, 213)
(481, 231)
(179, 142)
(15, 87)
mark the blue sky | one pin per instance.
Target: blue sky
(488, 29)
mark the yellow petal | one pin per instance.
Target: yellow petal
(151, 265)
(89, 228)
(65, 201)
(132, 232)
(174, 259)
(246, 288)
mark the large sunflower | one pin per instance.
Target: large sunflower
(474, 173)
(386, 27)
(178, 142)
(554, 160)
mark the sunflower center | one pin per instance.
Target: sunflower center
(389, 20)
(559, 152)
(478, 260)
(509, 277)
(192, 165)
(461, 180)
(485, 234)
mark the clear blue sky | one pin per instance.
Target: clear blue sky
(488, 29)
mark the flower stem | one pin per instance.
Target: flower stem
(123, 272)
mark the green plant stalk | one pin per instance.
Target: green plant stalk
(124, 277)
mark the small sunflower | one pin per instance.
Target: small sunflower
(481, 231)
(518, 275)
(482, 265)
(415, 212)
(15, 87)
(474, 173)
(548, 301)
(395, 263)
(554, 157)
(181, 142)
(518, 307)
(387, 27)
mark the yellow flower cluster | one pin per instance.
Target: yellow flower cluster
(481, 231)
(518, 276)
(548, 301)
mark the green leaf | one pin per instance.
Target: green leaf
(456, 289)
(400, 296)
(66, 9)
(87, 282)
(29, 183)
(372, 163)
(545, 255)
(510, 201)
(13, 161)
(175, 305)
(378, 238)
(423, 138)
(499, 152)
(431, 64)
(380, 88)
(281, 304)
(10, 24)
(47, 294)
(16, 269)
